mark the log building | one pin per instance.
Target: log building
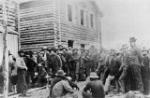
(72, 23)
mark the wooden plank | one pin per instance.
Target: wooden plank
(42, 9)
(47, 20)
(37, 39)
(34, 4)
(45, 25)
(37, 42)
(41, 32)
(36, 17)
(36, 47)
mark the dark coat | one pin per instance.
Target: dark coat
(96, 89)
(54, 63)
(113, 65)
(145, 74)
(31, 65)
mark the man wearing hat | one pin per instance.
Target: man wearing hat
(60, 75)
(45, 52)
(95, 88)
(22, 69)
(53, 61)
(60, 86)
(112, 70)
(134, 62)
(123, 69)
(145, 72)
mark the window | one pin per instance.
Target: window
(82, 17)
(69, 12)
(92, 20)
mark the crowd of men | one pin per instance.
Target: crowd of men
(122, 71)
(129, 69)
(31, 69)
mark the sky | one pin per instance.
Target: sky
(123, 19)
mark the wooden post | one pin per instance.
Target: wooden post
(59, 20)
(5, 53)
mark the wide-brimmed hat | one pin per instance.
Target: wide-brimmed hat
(60, 73)
(132, 39)
(44, 48)
(20, 51)
(60, 46)
(53, 49)
(75, 49)
(123, 47)
(93, 75)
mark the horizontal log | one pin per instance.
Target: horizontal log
(46, 7)
(37, 30)
(36, 48)
(37, 26)
(36, 34)
(37, 11)
(37, 43)
(37, 20)
(35, 4)
(36, 17)
(37, 37)
(33, 22)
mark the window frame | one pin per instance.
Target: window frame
(82, 16)
(92, 21)
(70, 18)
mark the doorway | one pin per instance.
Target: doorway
(70, 43)
(82, 46)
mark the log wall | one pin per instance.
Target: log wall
(80, 34)
(37, 24)
(45, 23)
(12, 14)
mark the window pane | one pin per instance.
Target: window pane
(69, 12)
(82, 17)
(92, 20)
